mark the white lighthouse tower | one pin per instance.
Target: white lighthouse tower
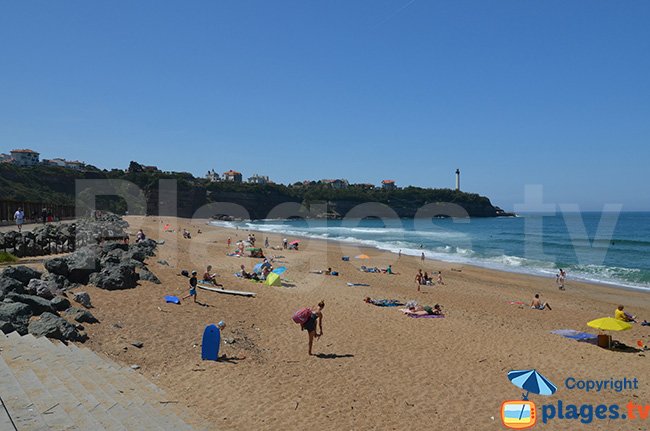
(457, 180)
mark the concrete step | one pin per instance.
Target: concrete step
(21, 409)
(55, 386)
(53, 380)
(59, 365)
(133, 386)
(45, 404)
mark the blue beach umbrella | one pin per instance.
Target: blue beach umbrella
(279, 270)
(531, 381)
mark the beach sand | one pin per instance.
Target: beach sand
(375, 369)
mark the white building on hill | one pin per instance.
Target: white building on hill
(25, 157)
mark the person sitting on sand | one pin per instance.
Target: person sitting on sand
(248, 275)
(140, 236)
(388, 270)
(193, 282)
(537, 304)
(426, 280)
(619, 314)
(310, 325)
(210, 278)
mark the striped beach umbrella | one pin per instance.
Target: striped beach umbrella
(531, 381)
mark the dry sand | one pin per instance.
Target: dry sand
(376, 369)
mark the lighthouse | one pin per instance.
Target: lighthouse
(457, 180)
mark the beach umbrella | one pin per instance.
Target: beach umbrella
(273, 280)
(531, 381)
(257, 269)
(294, 242)
(363, 256)
(609, 324)
(279, 270)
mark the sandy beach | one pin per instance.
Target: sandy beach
(375, 368)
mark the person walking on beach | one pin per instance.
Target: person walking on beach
(285, 243)
(266, 242)
(440, 281)
(193, 283)
(228, 242)
(19, 217)
(310, 325)
(399, 254)
(422, 257)
(419, 278)
(560, 279)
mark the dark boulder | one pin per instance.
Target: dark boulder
(52, 326)
(81, 264)
(108, 247)
(6, 327)
(58, 266)
(21, 273)
(83, 298)
(37, 304)
(60, 303)
(147, 275)
(57, 283)
(122, 276)
(17, 314)
(40, 288)
(10, 285)
(81, 316)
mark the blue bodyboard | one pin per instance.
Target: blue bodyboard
(172, 299)
(211, 343)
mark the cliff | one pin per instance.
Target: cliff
(55, 185)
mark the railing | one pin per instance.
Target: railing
(33, 211)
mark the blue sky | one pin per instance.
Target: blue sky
(511, 92)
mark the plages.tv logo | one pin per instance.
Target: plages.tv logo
(522, 414)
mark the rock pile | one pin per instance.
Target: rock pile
(62, 238)
(26, 293)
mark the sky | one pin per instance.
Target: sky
(513, 93)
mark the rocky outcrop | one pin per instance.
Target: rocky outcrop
(52, 326)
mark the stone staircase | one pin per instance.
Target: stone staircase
(47, 385)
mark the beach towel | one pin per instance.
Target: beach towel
(386, 302)
(357, 284)
(172, 299)
(426, 316)
(516, 302)
(576, 335)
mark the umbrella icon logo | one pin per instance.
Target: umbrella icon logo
(522, 414)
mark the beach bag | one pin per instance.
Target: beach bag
(185, 273)
(302, 316)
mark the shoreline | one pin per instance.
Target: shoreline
(359, 243)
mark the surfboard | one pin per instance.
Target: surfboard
(229, 292)
(211, 343)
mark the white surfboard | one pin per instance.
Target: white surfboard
(229, 292)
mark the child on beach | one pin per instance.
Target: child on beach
(193, 283)
(440, 278)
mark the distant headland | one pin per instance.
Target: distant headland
(32, 183)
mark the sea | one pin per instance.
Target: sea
(603, 247)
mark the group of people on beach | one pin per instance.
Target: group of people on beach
(423, 279)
